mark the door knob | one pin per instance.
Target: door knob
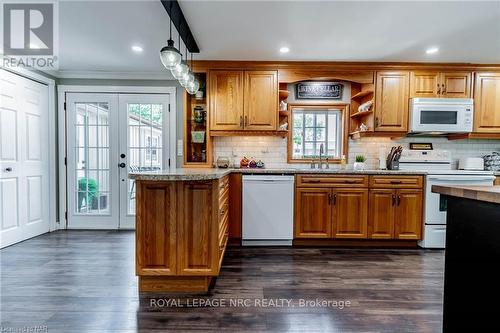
(123, 155)
(9, 169)
(122, 165)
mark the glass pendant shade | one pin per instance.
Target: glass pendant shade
(179, 70)
(186, 79)
(193, 87)
(170, 56)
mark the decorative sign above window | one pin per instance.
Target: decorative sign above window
(319, 90)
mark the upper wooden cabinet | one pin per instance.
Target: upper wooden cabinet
(243, 100)
(440, 84)
(391, 101)
(260, 100)
(487, 103)
(226, 100)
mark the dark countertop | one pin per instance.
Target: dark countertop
(183, 174)
(481, 193)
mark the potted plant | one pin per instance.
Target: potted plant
(360, 162)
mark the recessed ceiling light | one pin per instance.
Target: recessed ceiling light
(137, 48)
(284, 49)
(432, 50)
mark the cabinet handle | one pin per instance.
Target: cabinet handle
(396, 181)
(314, 181)
(393, 199)
(329, 198)
(245, 123)
(241, 121)
(350, 181)
(439, 89)
(444, 89)
(399, 200)
(335, 199)
(376, 122)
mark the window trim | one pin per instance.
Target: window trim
(344, 109)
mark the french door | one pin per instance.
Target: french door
(108, 136)
(24, 158)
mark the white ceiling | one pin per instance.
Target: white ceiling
(97, 35)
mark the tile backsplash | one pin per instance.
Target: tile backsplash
(272, 150)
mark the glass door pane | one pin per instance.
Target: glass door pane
(144, 143)
(92, 142)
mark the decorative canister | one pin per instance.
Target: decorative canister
(492, 162)
(223, 162)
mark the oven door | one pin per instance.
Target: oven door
(446, 118)
(436, 204)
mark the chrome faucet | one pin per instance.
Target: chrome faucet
(321, 152)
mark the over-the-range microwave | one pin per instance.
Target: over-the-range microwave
(441, 115)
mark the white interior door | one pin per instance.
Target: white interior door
(24, 158)
(144, 144)
(92, 161)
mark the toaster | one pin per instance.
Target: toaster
(471, 163)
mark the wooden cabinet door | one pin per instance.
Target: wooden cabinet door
(391, 101)
(487, 103)
(424, 84)
(350, 217)
(381, 214)
(313, 213)
(226, 100)
(409, 216)
(156, 224)
(197, 234)
(261, 100)
(456, 84)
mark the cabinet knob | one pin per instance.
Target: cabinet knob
(444, 89)
(439, 89)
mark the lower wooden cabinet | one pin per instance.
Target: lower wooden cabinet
(395, 214)
(408, 215)
(313, 213)
(380, 207)
(350, 213)
(381, 215)
(327, 213)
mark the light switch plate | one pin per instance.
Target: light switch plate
(180, 147)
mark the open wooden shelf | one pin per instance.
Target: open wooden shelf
(249, 133)
(361, 114)
(362, 94)
(283, 94)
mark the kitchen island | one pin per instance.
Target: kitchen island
(472, 257)
(184, 216)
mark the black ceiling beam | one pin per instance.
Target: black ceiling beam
(175, 12)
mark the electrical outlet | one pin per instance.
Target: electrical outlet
(180, 147)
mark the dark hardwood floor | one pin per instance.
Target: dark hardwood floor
(84, 281)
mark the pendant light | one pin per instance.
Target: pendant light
(169, 55)
(187, 77)
(193, 86)
(181, 68)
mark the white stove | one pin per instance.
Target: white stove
(438, 166)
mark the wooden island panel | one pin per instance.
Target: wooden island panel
(179, 225)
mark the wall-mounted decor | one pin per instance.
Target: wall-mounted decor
(319, 90)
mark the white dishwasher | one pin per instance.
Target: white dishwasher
(267, 210)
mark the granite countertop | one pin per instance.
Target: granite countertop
(480, 193)
(182, 174)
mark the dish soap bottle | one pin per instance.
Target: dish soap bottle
(343, 163)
